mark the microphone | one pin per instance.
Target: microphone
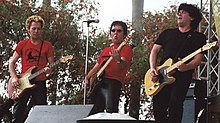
(92, 21)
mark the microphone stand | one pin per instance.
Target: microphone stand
(86, 61)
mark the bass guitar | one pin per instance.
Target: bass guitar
(96, 79)
(166, 70)
(24, 80)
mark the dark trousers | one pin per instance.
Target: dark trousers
(168, 103)
(106, 97)
(4, 108)
(36, 96)
(2, 113)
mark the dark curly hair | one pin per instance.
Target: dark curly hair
(194, 12)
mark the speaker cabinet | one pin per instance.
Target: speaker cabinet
(214, 109)
(189, 106)
(195, 102)
(58, 113)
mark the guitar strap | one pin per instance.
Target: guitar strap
(40, 53)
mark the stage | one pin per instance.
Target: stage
(76, 114)
(79, 114)
(110, 118)
(114, 121)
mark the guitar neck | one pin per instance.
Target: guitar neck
(109, 60)
(42, 70)
(100, 72)
(174, 66)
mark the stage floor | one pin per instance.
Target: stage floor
(112, 121)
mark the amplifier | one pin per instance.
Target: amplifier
(195, 102)
(214, 109)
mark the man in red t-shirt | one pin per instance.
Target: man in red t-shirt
(107, 94)
(33, 52)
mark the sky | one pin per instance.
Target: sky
(121, 9)
(111, 10)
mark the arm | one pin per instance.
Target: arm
(50, 58)
(192, 64)
(50, 61)
(153, 60)
(12, 71)
(92, 72)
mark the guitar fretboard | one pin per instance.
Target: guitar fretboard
(174, 66)
(205, 47)
(42, 70)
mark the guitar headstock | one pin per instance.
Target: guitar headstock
(209, 46)
(65, 58)
(129, 36)
(127, 39)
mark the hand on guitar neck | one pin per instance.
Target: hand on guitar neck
(182, 66)
(48, 70)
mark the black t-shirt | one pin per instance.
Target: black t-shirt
(176, 44)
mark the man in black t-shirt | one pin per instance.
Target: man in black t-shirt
(176, 44)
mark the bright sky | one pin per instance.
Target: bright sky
(121, 9)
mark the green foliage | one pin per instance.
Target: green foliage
(61, 29)
(97, 42)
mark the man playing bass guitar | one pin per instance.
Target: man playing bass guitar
(106, 96)
(33, 52)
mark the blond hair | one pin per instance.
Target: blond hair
(34, 18)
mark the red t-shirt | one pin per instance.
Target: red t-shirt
(30, 53)
(113, 71)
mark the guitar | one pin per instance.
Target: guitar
(166, 70)
(24, 79)
(95, 81)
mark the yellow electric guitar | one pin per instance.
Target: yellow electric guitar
(166, 70)
(24, 79)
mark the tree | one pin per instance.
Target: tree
(137, 13)
(61, 29)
